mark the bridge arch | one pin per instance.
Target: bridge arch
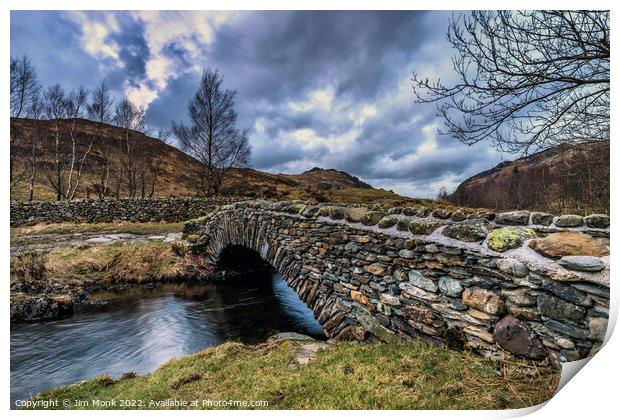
(268, 239)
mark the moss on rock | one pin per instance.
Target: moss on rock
(423, 227)
(296, 208)
(508, 237)
(387, 222)
(372, 218)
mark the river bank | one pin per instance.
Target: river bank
(54, 267)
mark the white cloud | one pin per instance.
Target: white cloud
(308, 140)
(158, 70)
(364, 113)
(141, 95)
(95, 34)
(417, 189)
(191, 30)
(429, 145)
(320, 100)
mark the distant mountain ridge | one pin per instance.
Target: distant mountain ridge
(338, 179)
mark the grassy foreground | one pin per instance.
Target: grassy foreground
(342, 376)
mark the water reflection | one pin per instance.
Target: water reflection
(141, 329)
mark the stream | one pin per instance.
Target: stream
(139, 329)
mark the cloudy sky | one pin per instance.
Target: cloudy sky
(325, 89)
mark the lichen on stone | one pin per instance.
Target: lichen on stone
(423, 227)
(372, 218)
(509, 237)
(387, 222)
(296, 208)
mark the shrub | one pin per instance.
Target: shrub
(29, 266)
(179, 248)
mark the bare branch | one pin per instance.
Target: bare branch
(525, 80)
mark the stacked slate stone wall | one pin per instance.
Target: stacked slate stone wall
(96, 211)
(368, 281)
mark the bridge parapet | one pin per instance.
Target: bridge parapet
(383, 275)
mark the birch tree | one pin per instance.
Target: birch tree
(129, 117)
(75, 108)
(212, 136)
(100, 111)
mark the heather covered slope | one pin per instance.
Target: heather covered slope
(562, 179)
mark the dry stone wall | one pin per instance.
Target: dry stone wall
(371, 279)
(95, 211)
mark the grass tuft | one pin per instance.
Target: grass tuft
(104, 381)
(128, 375)
(185, 379)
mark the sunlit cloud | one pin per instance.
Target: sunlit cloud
(193, 31)
(95, 33)
(140, 95)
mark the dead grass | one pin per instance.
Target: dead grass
(29, 266)
(112, 263)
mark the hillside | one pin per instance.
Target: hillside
(328, 178)
(167, 170)
(562, 179)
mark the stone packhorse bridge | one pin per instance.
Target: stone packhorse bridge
(518, 283)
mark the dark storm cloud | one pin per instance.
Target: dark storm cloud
(171, 104)
(177, 52)
(280, 57)
(326, 89)
(283, 54)
(133, 50)
(52, 41)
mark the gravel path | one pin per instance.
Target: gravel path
(51, 241)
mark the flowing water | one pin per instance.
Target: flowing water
(140, 329)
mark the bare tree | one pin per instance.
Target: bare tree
(100, 107)
(148, 168)
(525, 80)
(155, 169)
(129, 117)
(23, 88)
(55, 110)
(164, 135)
(443, 194)
(68, 152)
(75, 105)
(212, 137)
(23, 84)
(36, 112)
(100, 111)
